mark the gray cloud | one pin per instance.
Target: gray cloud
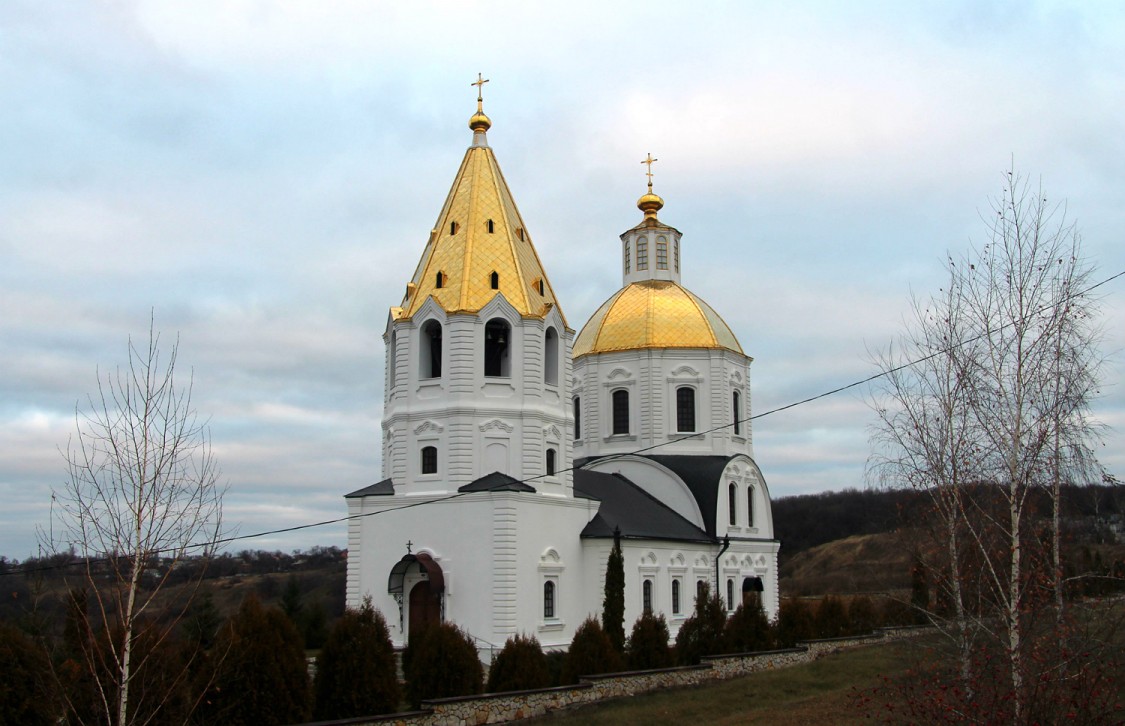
(262, 178)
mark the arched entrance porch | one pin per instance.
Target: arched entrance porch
(419, 580)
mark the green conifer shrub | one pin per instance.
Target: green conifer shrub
(648, 643)
(355, 672)
(443, 663)
(831, 619)
(260, 673)
(590, 653)
(794, 623)
(520, 666)
(702, 633)
(748, 629)
(862, 615)
(613, 605)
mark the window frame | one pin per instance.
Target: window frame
(620, 412)
(685, 410)
(428, 464)
(550, 599)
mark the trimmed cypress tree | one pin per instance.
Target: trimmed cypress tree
(648, 643)
(443, 663)
(702, 633)
(831, 620)
(748, 629)
(261, 676)
(520, 666)
(355, 673)
(794, 623)
(590, 652)
(862, 616)
(613, 605)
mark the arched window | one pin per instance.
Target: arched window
(736, 411)
(628, 245)
(453, 227)
(749, 506)
(491, 227)
(730, 594)
(494, 280)
(497, 349)
(685, 408)
(700, 589)
(551, 357)
(392, 357)
(642, 254)
(661, 253)
(676, 596)
(732, 503)
(577, 417)
(676, 254)
(429, 460)
(620, 411)
(646, 595)
(430, 353)
(439, 281)
(551, 462)
(549, 599)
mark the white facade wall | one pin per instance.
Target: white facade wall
(651, 377)
(495, 550)
(479, 424)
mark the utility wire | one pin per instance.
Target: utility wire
(457, 495)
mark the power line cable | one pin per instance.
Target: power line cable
(610, 457)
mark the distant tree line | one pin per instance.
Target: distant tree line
(807, 520)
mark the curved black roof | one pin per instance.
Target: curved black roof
(627, 507)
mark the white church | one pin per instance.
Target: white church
(513, 449)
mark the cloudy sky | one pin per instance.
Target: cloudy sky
(262, 177)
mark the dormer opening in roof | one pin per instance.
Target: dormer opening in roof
(651, 250)
(480, 123)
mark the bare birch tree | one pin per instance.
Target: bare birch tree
(994, 417)
(142, 493)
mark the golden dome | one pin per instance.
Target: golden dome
(480, 122)
(654, 314)
(650, 203)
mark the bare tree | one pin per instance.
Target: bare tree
(993, 418)
(142, 493)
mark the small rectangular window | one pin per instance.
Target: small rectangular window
(548, 599)
(429, 460)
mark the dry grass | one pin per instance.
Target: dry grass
(861, 563)
(820, 692)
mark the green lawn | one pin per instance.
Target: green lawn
(821, 692)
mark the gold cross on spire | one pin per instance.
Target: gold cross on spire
(479, 83)
(649, 160)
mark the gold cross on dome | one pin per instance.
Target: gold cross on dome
(479, 83)
(649, 160)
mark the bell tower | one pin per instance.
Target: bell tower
(478, 352)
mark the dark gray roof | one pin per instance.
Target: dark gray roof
(702, 474)
(637, 513)
(497, 482)
(384, 488)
